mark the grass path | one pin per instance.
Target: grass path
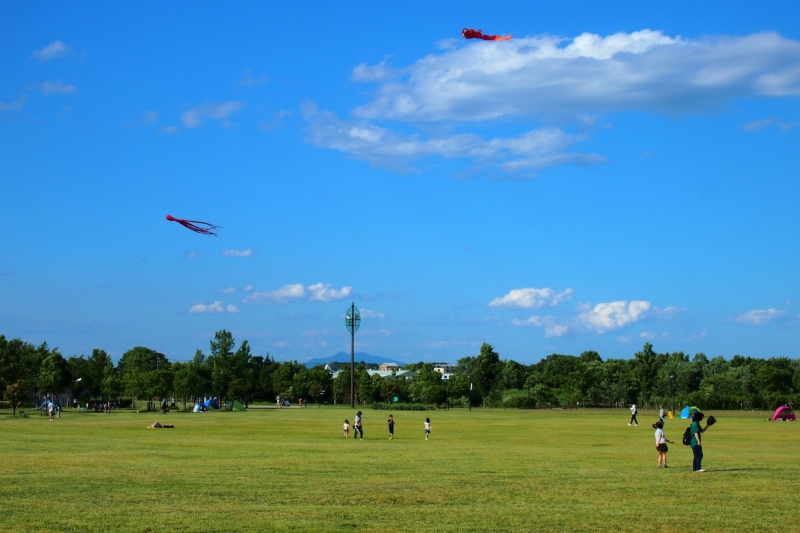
(485, 470)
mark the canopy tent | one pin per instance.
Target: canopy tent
(198, 408)
(689, 411)
(211, 404)
(784, 412)
(235, 405)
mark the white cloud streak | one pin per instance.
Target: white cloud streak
(210, 111)
(228, 290)
(238, 253)
(57, 87)
(319, 292)
(613, 315)
(372, 315)
(551, 327)
(757, 125)
(53, 50)
(761, 317)
(16, 105)
(533, 76)
(216, 307)
(532, 298)
(382, 147)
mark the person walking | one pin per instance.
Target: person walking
(357, 427)
(634, 412)
(391, 427)
(346, 428)
(427, 428)
(697, 444)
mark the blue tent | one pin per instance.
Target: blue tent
(689, 411)
(211, 404)
(198, 407)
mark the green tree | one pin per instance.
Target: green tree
(15, 395)
(486, 370)
(54, 375)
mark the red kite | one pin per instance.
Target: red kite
(192, 225)
(472, 34)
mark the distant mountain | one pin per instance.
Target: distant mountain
(344, 357)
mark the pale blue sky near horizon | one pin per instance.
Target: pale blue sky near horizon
(613, 175)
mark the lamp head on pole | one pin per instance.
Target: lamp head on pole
(352, 319)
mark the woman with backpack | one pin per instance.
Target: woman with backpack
(696, 442)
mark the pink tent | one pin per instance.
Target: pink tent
(784, 412)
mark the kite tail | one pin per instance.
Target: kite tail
(209, 229)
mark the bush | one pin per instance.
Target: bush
(399, 407)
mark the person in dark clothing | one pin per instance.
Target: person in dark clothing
(697, 445)
(391, 426)
(357, 427)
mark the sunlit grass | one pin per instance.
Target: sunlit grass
(485, 470)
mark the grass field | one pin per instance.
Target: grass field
(485, 470)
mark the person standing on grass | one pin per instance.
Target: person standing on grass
(634, 412)
(357, 427)
(427, 428)
(346, 428)
(661, 413)
(391, 426)
(661, 444)
(697, 445)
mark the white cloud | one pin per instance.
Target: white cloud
(373, 73)
(769, 121)
(319, 292)
(668, 312)
(382, 147)
(192, 254)
(278, 296)
(653, 336)
(533, 76)
(248, 80)
(532, 298)
(57, 87)
(613, 315)
(149, 117)
(169, 130)
(326, 293)
(228, 290)
(760, 317)
(210, 111)
(238, 253)
(53, 50)
(216, 307)
(551, 327)
(370, 314)
(248, 288)
(13, 106)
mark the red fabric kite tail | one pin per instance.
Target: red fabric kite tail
(469, 33)
(193, 225)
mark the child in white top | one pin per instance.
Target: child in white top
(427, 428)
(346, 428)
(661, 444)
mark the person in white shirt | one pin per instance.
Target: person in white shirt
(427, 428)
(661, 413)
(661, 444)
(633, 415)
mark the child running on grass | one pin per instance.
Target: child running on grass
(427, 428)
(661, 444)
(346, 428)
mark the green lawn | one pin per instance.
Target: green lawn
(485, 470)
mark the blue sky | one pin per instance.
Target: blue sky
(610, 176)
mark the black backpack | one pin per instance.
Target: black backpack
(687, 436)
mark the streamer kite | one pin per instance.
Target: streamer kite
(469, 33)
(205, 228)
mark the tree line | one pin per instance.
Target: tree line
(229, 372)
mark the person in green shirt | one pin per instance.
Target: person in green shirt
(697, 444)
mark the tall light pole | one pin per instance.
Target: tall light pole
(352, 319)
